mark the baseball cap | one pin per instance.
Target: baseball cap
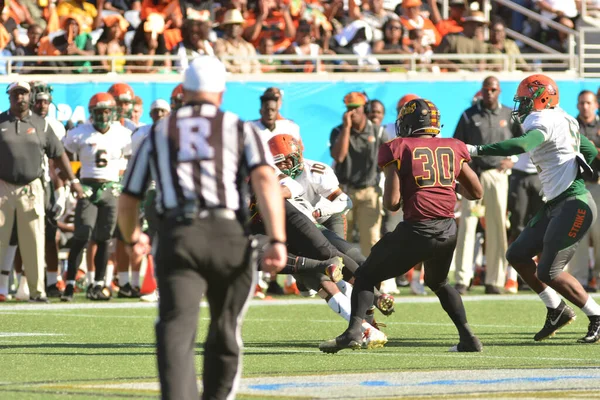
(205, 74)
(161, 105)
(18, 85)
(355, 99)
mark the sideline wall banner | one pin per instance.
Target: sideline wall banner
(316, 106)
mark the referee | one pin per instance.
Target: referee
(200, 158)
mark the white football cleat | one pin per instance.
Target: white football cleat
(150, 298)
(374, 338)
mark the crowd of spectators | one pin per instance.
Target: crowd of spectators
(244, 28)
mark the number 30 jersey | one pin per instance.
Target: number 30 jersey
(427, 170)
(101, 154)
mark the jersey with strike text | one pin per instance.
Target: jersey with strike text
(555, 158)
(428, 169)
(101, 154)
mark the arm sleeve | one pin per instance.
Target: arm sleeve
(519, 145)
(338, 205)
(137, 175)
(588, 149)
(296, 189)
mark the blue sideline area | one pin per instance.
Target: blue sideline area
(316, 106)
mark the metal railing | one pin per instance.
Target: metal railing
(321, 64)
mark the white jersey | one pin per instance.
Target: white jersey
(321, 192)
(138, 135)
(555, 158)
(101, 154)
(282, 126)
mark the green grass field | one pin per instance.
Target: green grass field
(57, 351)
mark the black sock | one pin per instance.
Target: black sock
(451, 302)
(361, 301)
(74, 259)
(100, 260)
(303, 264)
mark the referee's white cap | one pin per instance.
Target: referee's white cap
(205, 74)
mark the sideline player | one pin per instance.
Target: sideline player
(420, 176)
(561, 156)
(101, 146)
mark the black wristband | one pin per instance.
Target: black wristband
(277, 241)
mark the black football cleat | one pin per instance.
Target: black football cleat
(593, 334)
(100, 293)
(53, 291)
(385, 304)
(469, 345)
(555, 319)
(344, 341)
(68, 293)
(128, 292)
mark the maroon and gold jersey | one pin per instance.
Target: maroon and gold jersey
(428, 169)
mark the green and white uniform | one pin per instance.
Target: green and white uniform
(561, 155)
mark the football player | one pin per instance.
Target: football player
(124, 96)
(269, 125)
(101, 147)
(322, 201)
(322, 188)
(177, 98)
(41, 98)
(561, 156)
(421, 171)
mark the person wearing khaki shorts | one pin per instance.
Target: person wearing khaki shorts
(24, 139)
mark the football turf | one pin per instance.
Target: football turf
(78, 352)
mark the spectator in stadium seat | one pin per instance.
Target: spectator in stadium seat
(232, 44)
(111, 42)
(391, 43)
(88, 15)
(266, 48)
(271, 19)
(194, 43)
(304, 45)
(376, 16)
(122, 6)
(166, 8)
(72, 42)
(454, 22)
(503, 45)
(470, 41)
(10, 25)
(412, 19)
(34, 34)
(149, 39)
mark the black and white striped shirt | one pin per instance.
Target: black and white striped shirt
(199, 154)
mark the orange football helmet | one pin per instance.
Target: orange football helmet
(124, 96)
(177, 97)
(284, 147)
(405, 99)
(98, 103)
(535, 93)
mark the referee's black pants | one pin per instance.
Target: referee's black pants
(209, 256)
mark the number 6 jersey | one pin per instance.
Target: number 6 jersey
(427, 169)
(101, 154)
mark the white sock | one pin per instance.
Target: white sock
(135, 278)
(23, 287)
(345, 288)
(101, 283)
(340, 304)
(90, 277)
(591, 307)
(416, 276)
(110, 274)
(52, 277)
(511, 274)
(123, 278)
(550, 298)
(72, 283)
